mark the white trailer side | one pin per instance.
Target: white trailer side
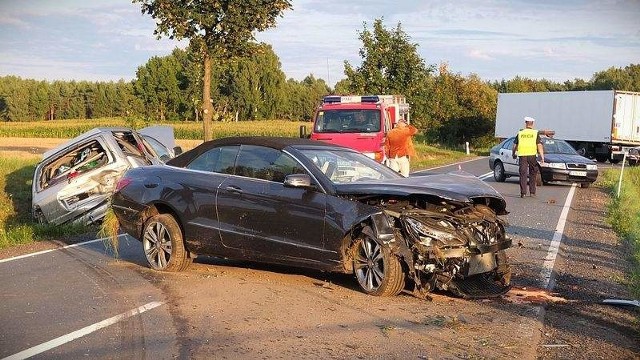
(573, 115)
(601, 122)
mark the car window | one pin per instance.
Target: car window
(266, 163)
(160, 150)
(76, 161)
(220, 160)
(553, 146)
(508, 145)
(128, 144)
(346, 166)
(348, 120)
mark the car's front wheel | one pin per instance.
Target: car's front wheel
(498, 172)
(377, 270)
(163, 244)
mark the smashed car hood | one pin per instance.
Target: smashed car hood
(455, 186)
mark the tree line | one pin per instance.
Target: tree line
(449, 107)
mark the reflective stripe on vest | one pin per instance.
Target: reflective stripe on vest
(527, 142)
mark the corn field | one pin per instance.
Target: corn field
(182, 130)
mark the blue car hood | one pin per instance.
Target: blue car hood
(567, 158)
(455, 186)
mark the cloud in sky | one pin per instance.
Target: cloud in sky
(558, 41)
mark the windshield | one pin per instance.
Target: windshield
(553, 146)
(347, 166)
(348, 121)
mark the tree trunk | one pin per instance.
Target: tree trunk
(206, 97)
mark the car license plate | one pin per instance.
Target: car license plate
(578, 173)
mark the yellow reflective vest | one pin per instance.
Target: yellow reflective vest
(527, 144)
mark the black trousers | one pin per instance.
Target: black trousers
(528, 169)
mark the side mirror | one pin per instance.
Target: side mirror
(177, 150)
(298, 181)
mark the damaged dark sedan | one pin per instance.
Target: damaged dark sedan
(310, 204)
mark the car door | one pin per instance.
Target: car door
(505, 153)
(265, 218)
(200, 184)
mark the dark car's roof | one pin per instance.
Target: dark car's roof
(268, 141)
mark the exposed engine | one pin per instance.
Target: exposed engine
(450, 246)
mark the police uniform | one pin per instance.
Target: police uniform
(527, 142)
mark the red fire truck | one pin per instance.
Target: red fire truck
(359, 122)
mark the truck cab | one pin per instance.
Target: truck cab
(359, 122)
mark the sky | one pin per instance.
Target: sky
(107, 40)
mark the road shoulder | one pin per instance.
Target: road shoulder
(591, 267)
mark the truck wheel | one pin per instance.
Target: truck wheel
(601, 158)
(614, 161)
(498, 172)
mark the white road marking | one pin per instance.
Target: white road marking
(50, 250)
(458, 163)
(550, 259)
(38, 349)
(485, 176)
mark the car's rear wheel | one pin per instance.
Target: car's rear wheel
(498, 172)
(377, 270)
(163, 244)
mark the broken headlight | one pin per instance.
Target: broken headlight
(426, 235)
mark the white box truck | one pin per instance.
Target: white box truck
(603, 124)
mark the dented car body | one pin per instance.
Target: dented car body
(310, 204)
(74, 181)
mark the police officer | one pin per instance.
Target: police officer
(528, 144)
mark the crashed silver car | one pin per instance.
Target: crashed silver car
(74, 181)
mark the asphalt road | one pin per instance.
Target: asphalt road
(79, 302)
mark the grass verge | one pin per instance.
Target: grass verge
(624, 216)
(16, 225)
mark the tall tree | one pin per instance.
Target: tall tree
(220, 28)
(391, 65)
(627, 78)
(157, 83)
(254, 86)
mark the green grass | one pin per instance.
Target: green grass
(16, 224)
(624, 216)
(430, 156)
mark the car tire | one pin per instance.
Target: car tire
(163, 244)
(377, 270)
(585, 185)
(498, 172)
